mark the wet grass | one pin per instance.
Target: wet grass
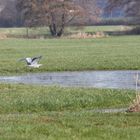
(36, 112)
(112, 53)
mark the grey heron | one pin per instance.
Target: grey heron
(32, 62)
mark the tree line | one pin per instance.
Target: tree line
(57, 14)
(131, 8)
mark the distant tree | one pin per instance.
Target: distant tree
(55, 13)
(8, 13)
(130, 7)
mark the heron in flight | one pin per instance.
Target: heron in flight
(32, 62)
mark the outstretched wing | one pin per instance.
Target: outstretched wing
(36, 59)
(28, 60)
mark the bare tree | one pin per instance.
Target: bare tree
(56, 13)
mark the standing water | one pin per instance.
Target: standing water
(97, 79)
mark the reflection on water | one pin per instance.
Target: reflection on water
(98, 79)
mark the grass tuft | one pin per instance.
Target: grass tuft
(135, 106)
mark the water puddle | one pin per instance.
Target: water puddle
(115, 110)
(97, 79)
(104, 110)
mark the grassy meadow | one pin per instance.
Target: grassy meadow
(32, 112)
(111, 53)
(39, 112)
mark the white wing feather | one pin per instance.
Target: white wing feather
(29, 60)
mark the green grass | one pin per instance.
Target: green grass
(112, 53)
(36, 112)
(20, 98)
(69, 126)
(45, 30)
(23, 31)
(29, 112)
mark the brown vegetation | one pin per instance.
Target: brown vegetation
(3, 36)
(81, 35)
(135, 106)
